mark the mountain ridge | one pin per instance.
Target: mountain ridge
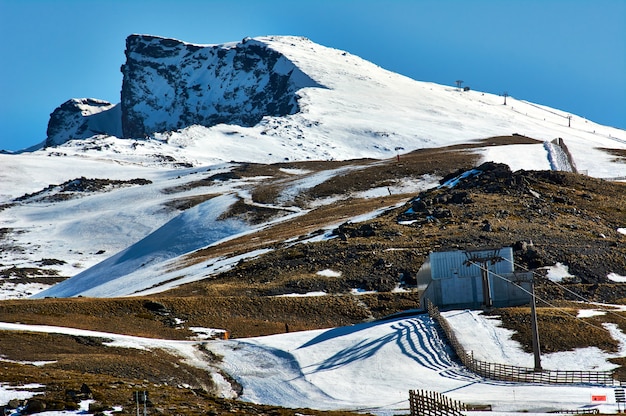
(306, 221)
(345, 118)
(231, 83)
(364, 118)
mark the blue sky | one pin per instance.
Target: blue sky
(567, 54)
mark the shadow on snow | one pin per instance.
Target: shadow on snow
(416, 337)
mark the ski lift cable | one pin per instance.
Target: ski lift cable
(559, 309)
(610, 312)
(556, 283)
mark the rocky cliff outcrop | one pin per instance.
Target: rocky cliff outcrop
(80, 118)
(169, 84)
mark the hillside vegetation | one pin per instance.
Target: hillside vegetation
(546, 216)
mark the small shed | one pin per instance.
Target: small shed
(473, 280)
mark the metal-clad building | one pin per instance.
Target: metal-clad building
(473, 280)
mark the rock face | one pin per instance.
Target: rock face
(80, 118)
(169, 84)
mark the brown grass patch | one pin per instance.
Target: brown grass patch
(166, 396)
(121, 316)
(620, 154)
(243, 314)
(559, 330)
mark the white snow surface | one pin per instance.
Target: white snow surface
(193, 229)
(557, 272)
(122, 242)
(371, 366)
(329, 273)
(361, 111)
(614, 277)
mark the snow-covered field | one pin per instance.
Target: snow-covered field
(372, 366)
(122, 242)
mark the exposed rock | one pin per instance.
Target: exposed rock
(169, 84)
(156, 307)
(355, 230)
(81, 118)
(70, 189)
(34, 406)
(15, 403)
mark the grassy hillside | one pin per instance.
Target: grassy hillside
(547, 217)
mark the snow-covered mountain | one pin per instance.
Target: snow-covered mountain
(278, 98)
(217, 154)
(81, 118)
(187, 110)
(170, 85)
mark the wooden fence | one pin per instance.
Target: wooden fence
(579, 412)
(504, 372)
(430, 403)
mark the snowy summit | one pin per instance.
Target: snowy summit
(219, 155)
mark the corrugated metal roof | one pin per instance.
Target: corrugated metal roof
(449, 264)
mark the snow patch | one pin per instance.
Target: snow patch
(23, 392)
(207, 333)
(328, 273)
(558, 272)
(614, 277)
(10, 290)
(34, 363)
(294, 171)
(588, 313)
(302, 295)
(451, 183)
(358, 291)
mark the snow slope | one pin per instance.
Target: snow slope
(195, 228)
(371, 366)
(358, 110)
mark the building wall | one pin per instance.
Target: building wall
(455, 285)
(448, 264)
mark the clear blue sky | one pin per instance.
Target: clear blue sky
(568, 54)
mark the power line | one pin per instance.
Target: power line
(610, 312)
(559, 309)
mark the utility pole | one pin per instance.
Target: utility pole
(483, 261)
(569, 121)
(505, 94)
(458, 83)
(534, 327)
